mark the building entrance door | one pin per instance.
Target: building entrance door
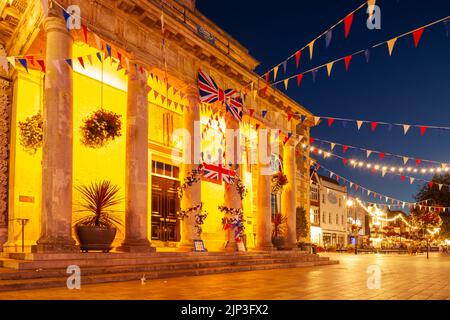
(165, 205)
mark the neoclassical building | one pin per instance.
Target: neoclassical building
(141, 60)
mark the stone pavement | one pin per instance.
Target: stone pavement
(402, 277)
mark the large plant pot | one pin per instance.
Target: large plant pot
(278, 242)
(95, 238)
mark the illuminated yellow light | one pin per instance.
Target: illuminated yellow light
(409, 169)
(360, 164)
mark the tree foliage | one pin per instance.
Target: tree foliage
(437, 198)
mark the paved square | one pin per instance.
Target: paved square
(402, 277)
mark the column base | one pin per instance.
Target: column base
(55, 245)
(132, 246)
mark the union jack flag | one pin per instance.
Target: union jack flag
(210, 93)
(217, 173)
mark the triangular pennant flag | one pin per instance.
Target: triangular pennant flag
(418, 161)
(417, 35)
(80, 60)
(286, 83)
(24, 63)
(347, 60)
(69, 62)
(299, 79)
(374, 125)
(348, 24)
(311, 49)
(252, 111)
(66, 16)
(406, 128)
(41, 63)
(108, 49)
(367, 55)
(391, 44)
(31, 59)
(330, 67)
(383, 172)
(381, 155)
(332, 145)
(359, 123)
(99, 56)
(411, 180)
(89, 57)
(314, 74)
(345, 161)
(12, 61)
(316, 120)
(440, 186)
(290, 115)
(85, 32)
(303, 118)
(330, 122)
(284, 64)
(423, 129)
(156, 94)
(344, 149)
(403, 178)
(98, 42)
(368, 153)
(430, 184)
(297, 58)
(328, 37)
(275, 73)
(405, 160)
(264, 113)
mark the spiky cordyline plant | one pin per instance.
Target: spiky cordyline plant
(98, 200)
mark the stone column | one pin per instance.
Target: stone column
(192, 196)
(264, 211)
(232, 199)
(137, 169)
(56, 224)
(288, 194)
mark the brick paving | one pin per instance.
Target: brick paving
(402, 277)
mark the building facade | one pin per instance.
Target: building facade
(142, 62)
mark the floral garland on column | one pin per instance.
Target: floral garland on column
(4, 151)
(279, 180)
(235, 220)
(241, 189)
(192, 177)
(200, 217)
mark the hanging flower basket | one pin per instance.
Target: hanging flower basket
(99, 128)
(31, 133)
(279, 180)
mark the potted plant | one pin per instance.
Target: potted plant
(97, 229)
(278, 221)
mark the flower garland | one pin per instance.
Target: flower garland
(31, 133)
(279, 180)
(200, 217)
(99, 128)
(241, 189)
(234, 220)
(192, 177)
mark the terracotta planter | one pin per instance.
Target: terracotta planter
(95, 238)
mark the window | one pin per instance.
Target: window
(323, 217)
(342, 219)
(274, 204)
(340, 202)
(314, 192)
(323, 198)
(329, 218)
(164, 169)
(315, 216)
(337, 218)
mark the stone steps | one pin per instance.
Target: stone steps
(34, 271)
(50, 282)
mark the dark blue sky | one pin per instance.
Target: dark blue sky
(412, 86)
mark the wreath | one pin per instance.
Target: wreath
(99, 128)
(279, 180)
(234, 220)
(192, 177)
(31, 133)
(200, 217)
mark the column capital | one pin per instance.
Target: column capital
(56, 23)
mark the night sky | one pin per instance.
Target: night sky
(412, 86)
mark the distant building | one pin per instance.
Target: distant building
(328, 211)
(357, 215)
